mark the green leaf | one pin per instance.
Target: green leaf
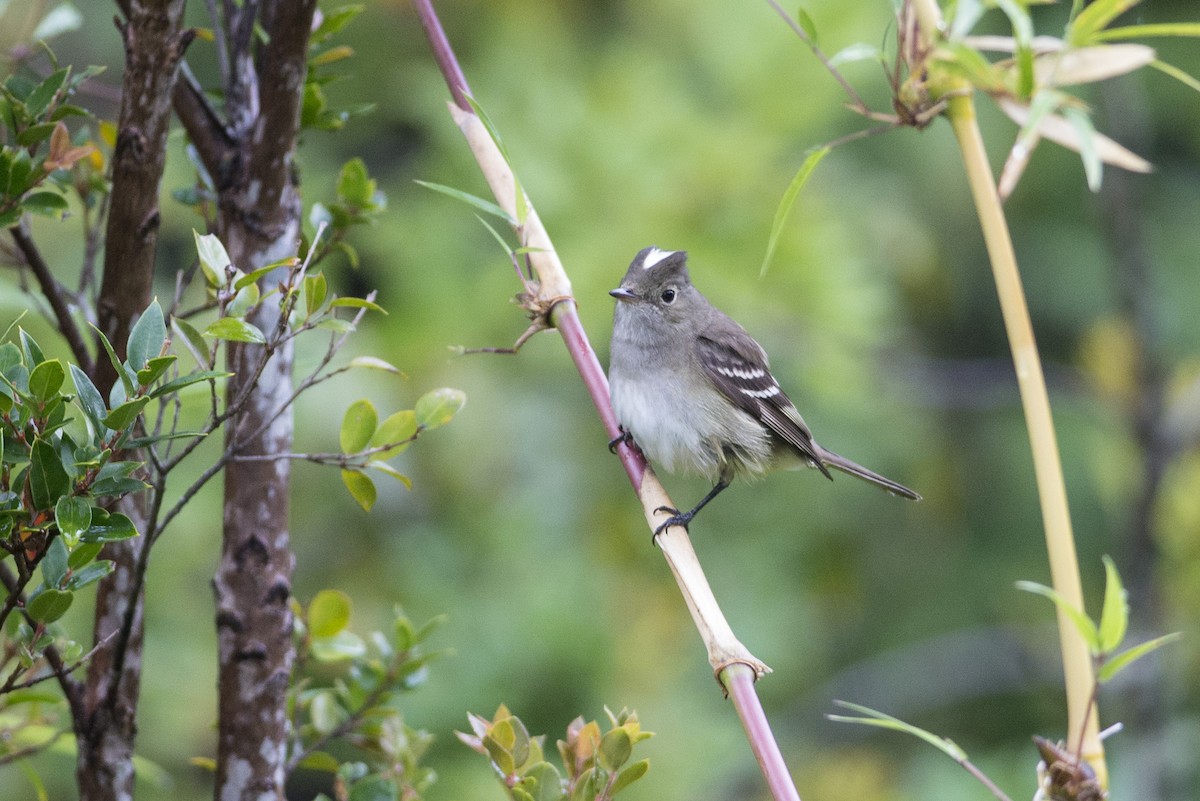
(126, 381)
(123, 416)
(1094, 18)
(808, 26)
(90, 400)
(322, 761)
(1082, 622)
(35, 134)
(335, 20)
(1153, 29)
(361, 487)
(109, 527)
(54, 564)
(1176, 73)
(438, 407)
(630, 775)
(90, 574)
(246, 298)
(1114, 618)
(543, 782)
(315, 291)
(235, 330)
(1122, 660)
(384, 467)
(374, 788)
(860, 51)
(358, 424)
(40, 98)
(147, 336)
(49, 605)
(400, 428)
(615, 748)
(46, 379)
(194, 341)
(354, 186)
(341, 646)
(155, 368)
(19, 170)
(47, 204)
(492, 130)
(328, 613)
(48, 479)
(213, 258)
(325, 713)
(486, 206)
(885, 721)
(357, 303)
(73, 515)
(254, 276)
(498, 743)
(84, 553)
(372, 363)
(1093, 166)
(33, 353)
(789, 199)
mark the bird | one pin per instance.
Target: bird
(695, 391)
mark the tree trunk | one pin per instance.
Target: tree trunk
(259, 223)
(154, 45)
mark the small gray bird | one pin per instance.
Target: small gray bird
(695, 391)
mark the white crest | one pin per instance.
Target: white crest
(655, 256)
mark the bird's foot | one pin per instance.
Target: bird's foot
(624, 436)
(677, 518)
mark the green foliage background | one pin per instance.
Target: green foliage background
(680, 124)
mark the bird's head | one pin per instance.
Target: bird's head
(657, 282)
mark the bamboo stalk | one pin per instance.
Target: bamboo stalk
(1082, 719)
(1052, 491)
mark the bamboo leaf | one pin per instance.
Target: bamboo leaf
(483, 205)
(1082, 622)
(789, 199)
(1114, 618)
(1122, 660)
(885, 721)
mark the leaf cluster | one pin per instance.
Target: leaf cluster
(64, 466)
(597, 764)
(367, 443)
(37, 151)
(347, 689)
(316, 111)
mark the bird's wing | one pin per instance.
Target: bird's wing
(737, 366)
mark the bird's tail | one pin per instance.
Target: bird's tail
(837, 462)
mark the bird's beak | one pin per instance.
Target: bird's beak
(621, 293)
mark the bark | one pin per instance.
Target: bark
(154, 45)
(259, 222)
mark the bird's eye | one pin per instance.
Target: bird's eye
(668, 296)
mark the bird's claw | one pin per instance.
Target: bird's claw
(624, 436)
(677, 518)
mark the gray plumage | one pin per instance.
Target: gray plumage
(696, 391)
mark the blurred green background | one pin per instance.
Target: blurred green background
(680, 124)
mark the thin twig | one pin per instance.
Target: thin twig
(856, 100)
(54, 673)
